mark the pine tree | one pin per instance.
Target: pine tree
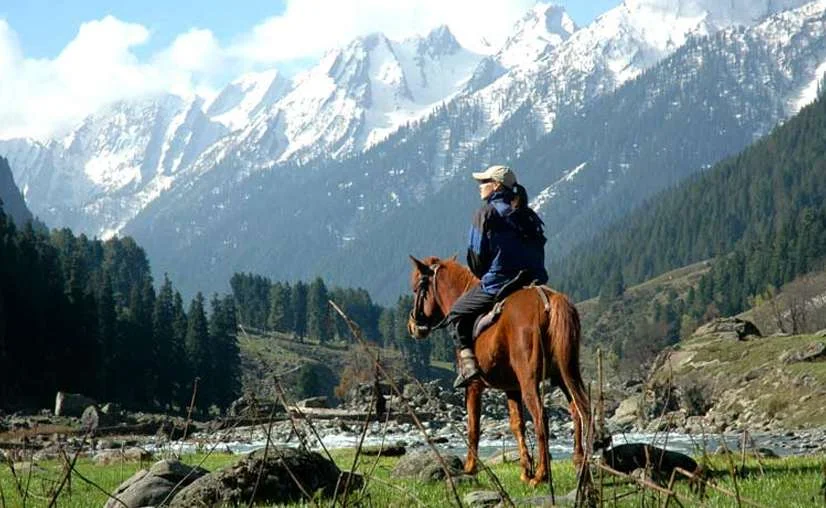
(162, 332)
(299, 301)
(281, 310)
(183, 376)
(199, 351)
(319, 324)
(226, 369)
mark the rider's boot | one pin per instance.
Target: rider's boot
(468, 368)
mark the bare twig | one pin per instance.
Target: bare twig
(68, 473)
(722, 490)
(264, 460)
(354, 329)
(481, 463)
(645, 483)
(75, 471)
(189, 414)
(358, 450)
(304, 417)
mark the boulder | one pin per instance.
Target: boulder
(235, 484)
(627, 412)
(314, 402)
(94, 418)
(151, 487)
(503, 457)
(425, 466)
(251, 407)
(114, 456)
(631, 456)
(729, 328)
(813, 352)
(384, 451)
(482, 498)
(71, 404)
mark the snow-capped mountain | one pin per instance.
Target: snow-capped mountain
(375, 130)
(108, 168)
(354, 221)
(354, 98)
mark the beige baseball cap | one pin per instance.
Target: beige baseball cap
(501, 174)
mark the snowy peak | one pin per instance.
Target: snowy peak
(543, 27)
(242, 99)
(439, 42)
(718, 14)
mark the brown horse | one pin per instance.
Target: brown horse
(524, 347)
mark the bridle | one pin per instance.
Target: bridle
(417, 315)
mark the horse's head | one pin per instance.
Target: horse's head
(426, 314)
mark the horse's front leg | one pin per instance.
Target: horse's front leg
(517, 424)
(473, 397)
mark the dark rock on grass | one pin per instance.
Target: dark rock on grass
(236, 484)
(425, 466)
(384, 451)
(626, 458)
(152, 487)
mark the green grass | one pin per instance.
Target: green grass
(787, 482)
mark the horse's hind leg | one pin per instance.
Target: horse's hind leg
(517, 422)
(530, 396)
(473, 398)
(579, 453)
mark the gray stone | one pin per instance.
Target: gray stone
(149, 488)
(503, 457)
(314, 402)
(117, 455)
(71, 404)
(384, 451)
(568, 499)
(729, 328)
(421, 465)
(814, 351)
(235, 484)
(482, 498)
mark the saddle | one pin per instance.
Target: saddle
(484, 321)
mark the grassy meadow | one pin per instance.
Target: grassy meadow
(784, 482)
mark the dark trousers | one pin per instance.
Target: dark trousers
(464, 312)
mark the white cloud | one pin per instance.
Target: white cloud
(307, 28)
(39, 97)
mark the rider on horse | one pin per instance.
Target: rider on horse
(506, 242)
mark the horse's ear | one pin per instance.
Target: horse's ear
(453, 257)
(423, 268)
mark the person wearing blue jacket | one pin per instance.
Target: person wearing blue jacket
(506, 240)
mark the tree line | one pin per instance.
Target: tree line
(302, 310)
(83, 315)
(759, 215)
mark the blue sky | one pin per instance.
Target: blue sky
(44, 27)
(64, 60)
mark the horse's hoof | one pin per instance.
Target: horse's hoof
(535, 482)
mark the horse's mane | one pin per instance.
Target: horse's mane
(459, 273)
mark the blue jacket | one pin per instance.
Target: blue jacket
(504, 241)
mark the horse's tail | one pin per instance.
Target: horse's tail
(564, 332)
